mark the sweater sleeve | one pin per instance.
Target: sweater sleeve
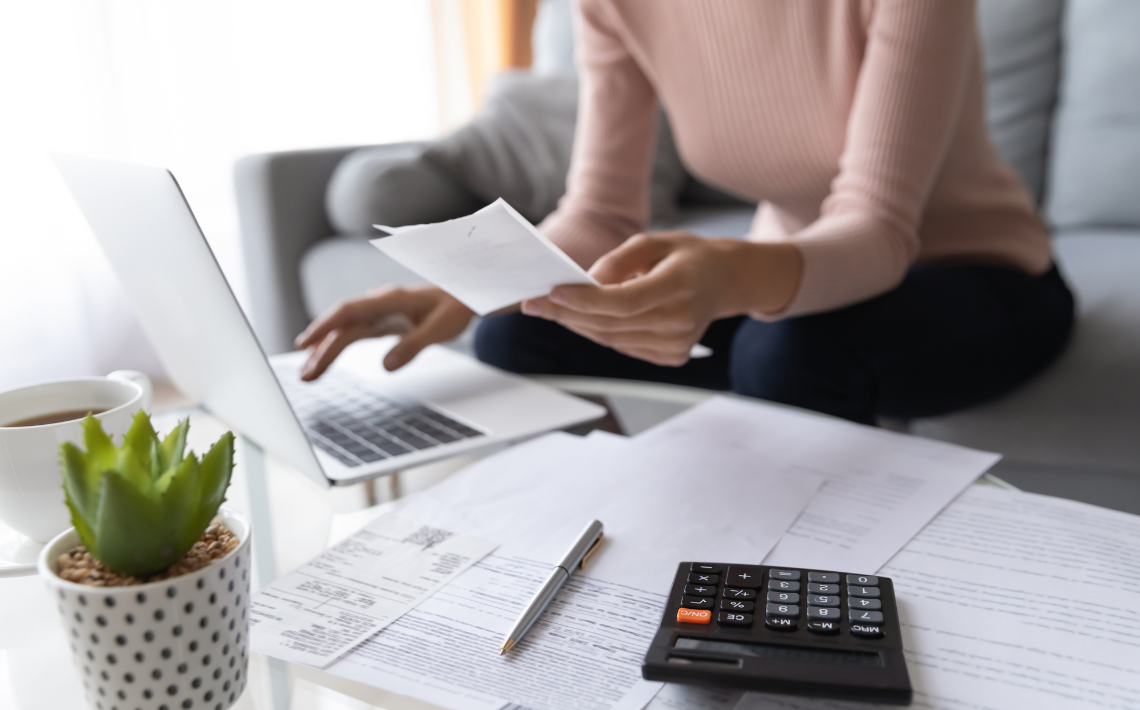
(607, 189)
(906, 107)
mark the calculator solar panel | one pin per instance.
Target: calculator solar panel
(781, 630)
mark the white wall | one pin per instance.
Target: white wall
(191, 86)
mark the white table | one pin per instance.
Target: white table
(301, 518)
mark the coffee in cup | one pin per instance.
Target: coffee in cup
(34, 421)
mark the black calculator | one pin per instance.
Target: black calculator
(781, 630)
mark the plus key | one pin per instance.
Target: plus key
(744, 576)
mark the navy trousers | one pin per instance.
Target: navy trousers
(948, 337)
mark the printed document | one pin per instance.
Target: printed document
(1015, 600)
(882, 487)
(488, 260)
(357, 587)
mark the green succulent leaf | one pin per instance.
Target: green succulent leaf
(139, 507)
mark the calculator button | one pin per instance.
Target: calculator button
(694, 616)
(792, 574)
(735, 605)
(705, 567)
(819, 599)
(823, 612)
(823, 627)
(697, 578)
(784, 597)
(865, 617)
(782, 610)
(697, 602)
(739, 594)
(731, 619)
(746, 576)
(823, 577)
(781, 623)
(823, 588)
(863, 580)
(867, 631)
(871, 604)
(700, 590)
(871, 592)
(780, 585)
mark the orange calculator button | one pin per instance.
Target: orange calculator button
(694, 616)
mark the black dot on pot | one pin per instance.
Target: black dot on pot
(104, 675)
(101, 691)
(213, 598)
(206, 660)
(218, 706)
(243, 576)
(203, 622)
(171, 592)
(79, 617)
(94, 638)
(159, 614)
(231, 697)
(91, 655)
(148, 636)
(128, 677)
(237, 600)
(231, 624)
(225, 611)
(226, 650)
(177, 630)
(75, 632)
(121, 640)
(166, 653)
(231, 585)
(182, 667)
(82, 600)
(140, 598)
(214, 638)
(232, 660)
(187, 703)
(139, 657)
(217, 673)
(101, 620)
(147, 694)
(238, 639)
(172, 690)
(196, 683)
(163, 707)
(237, 676)
(129, 618)
(193, 646)
(201, 583)
(208, 696)
(111, 659)
(109, 601)
(62, 595)
(156, 674)
(189, 608)
(226, 687)
(122, 695)
(221, 574)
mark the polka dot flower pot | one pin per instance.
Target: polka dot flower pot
(172, 645)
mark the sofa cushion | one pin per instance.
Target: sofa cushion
(346, 267)
(1084, 410)
(1021, 44)
(1094, 173)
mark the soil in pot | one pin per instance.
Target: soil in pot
(78, 566)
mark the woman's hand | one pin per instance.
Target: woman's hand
(423, 314)
(660, 291)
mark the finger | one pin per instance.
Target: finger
(327, 350)
(658, 320)
(436, 327)
(637, 255)
(626, 299)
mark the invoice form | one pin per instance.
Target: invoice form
(882, 487)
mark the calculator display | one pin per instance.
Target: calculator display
(804, 632)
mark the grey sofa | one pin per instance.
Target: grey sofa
(1064, 109)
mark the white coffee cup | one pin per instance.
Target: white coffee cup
(31, 492)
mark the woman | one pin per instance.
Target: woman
(895, 268)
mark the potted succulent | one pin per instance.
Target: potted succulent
(153, 581)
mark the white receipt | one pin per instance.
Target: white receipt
(882, 487)
(1014, 600)
(584, 653)
(488, 260)
(357, 587)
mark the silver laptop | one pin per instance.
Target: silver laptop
(356, 422)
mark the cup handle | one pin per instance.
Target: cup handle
(139, 378)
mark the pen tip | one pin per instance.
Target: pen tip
(506, 646)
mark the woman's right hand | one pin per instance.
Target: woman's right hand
(422, 314)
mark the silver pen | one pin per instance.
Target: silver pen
(585, 545)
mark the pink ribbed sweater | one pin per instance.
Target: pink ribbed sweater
(857, 124)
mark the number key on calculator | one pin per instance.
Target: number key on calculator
(781, 630)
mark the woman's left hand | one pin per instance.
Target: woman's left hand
(661, 291)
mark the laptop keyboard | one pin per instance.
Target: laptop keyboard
(345, 417)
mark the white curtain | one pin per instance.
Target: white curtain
(187, 85)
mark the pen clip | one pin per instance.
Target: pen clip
(591, 551)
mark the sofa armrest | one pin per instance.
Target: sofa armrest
(281, 211)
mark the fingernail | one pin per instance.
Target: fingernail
(531, 308)
(558, 296)
(391, 361)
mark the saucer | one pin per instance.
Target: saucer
(18, 554)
